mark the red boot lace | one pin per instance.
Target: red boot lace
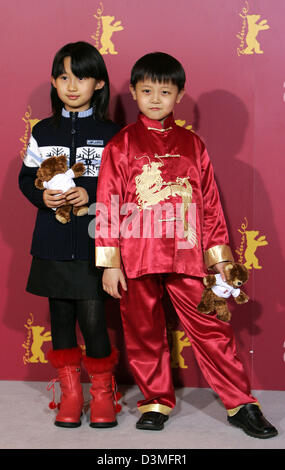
(117, 395)
(51, 386)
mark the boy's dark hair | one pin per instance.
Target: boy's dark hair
(160, 67)
(86, 61)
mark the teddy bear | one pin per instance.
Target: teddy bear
(54, 174)
(217, 291)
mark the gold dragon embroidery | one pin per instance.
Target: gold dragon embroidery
(152, 189)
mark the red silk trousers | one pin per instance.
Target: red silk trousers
(147, 347)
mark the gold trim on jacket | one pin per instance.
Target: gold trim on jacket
(217, 254)
(107, 257)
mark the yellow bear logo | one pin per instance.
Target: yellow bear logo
(178, 344)
(253, 29)
(248, 246)
(108, 30)
(252, 244)
(105, 23)
(249, 31)
(34, 342)
(38, 340)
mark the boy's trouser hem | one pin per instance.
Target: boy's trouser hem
(235, 410)
(157, 407)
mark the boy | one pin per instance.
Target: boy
(155, 173)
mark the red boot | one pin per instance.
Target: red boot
(67, 363)
(102, 406)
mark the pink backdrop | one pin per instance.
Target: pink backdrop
(233, 53)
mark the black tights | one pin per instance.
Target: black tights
(90, 315)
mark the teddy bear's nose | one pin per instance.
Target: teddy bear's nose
(239, 283)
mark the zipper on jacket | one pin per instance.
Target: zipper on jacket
(72, 161)
(73, 139)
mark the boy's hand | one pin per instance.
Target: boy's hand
(111, 279)
(77, 196)
(53, 198)
(219, 268)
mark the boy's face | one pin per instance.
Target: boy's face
(156, 100)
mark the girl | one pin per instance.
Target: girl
(62, 264)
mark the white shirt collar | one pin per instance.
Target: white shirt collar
(81, 114)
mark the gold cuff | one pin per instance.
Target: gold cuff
(234, 411)
(155, 407)
(217, 254)
(107, 257)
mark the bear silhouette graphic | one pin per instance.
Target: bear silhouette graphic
(38, 340)
(252, 244)
(107, 31)
(253, 29)
(179, 344)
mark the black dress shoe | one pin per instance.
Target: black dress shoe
(252, 421)
(152, 420)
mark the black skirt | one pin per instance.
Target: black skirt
(75, 279)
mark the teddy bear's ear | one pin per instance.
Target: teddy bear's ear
(228, 267)
(39, 183)
(62, 159)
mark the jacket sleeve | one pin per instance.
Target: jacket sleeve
(112, 183)
(28, 174)
(215, 234)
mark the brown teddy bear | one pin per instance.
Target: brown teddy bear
(217, 291)
(54, 174)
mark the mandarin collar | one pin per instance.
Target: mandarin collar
(154, 125)
(80, 114)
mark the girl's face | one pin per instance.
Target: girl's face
(156, 100)
(76, 93)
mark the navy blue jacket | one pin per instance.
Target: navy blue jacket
(82, 139)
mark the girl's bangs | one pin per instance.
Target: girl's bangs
(83, 67)
(80, 66)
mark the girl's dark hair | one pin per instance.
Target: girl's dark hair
(86, 61)
(160, 67)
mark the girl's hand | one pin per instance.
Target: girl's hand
(112, 277)
(77, 196)
(219, 268)
(53, 198)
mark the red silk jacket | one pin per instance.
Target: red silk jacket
(158, 208)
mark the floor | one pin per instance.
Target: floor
(198, 422)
